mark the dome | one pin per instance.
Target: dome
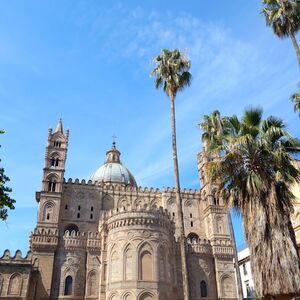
(113, 171)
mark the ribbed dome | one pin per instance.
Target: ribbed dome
(113, 171)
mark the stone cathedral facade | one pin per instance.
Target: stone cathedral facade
(108, 239)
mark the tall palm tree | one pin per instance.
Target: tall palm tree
(296, 99)
(172, 72)
(284, 17)
(254, 173)
(214, 128)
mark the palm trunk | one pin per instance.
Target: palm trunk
(182, 240)
(271, 239)
(237, 268)
(296, 46)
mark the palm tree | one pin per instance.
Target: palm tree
(284, 17)
(172, 72)
(296, 99)
(253, 174)
(214, 127)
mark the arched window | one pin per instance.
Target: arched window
(227, 287)
(92, 284)
(71, 227)
(54, 162)
(68, 285)
(162, 263)
(128, 263)
(193, 236)
(51, 185)
(57, 144)
(146, 263)
(48, 211)
(203, 289)
(14, 287)
(115, 267)
(146, 296)
(219, 224)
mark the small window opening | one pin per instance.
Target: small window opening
(192, 223)
(92, 208)
(68, 286)
(79, 207)
(91, 216)
(203, 289)
(51, 185)
(191, 215)
(66, 206)
(48, 217)
(78, 216)
(173, 214)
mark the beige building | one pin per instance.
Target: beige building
(107, 238)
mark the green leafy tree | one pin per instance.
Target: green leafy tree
(284, 17)
(296, 100)
(172, 73)
(5, 201)
(254, 172)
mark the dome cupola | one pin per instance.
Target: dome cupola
(113, 171)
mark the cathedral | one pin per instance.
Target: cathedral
(107, 238)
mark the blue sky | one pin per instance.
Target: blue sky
(88, 62)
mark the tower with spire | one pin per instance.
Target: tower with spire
(44, 240)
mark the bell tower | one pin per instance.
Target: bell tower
(53, 176)
(217, 231)
(44, 240)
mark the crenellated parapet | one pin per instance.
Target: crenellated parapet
(199, 246)
(44, 239)
(105, 187)
(17, 259)
(216, 209)
(222, 247)
(82, 241)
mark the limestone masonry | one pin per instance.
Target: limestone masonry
(107, 238)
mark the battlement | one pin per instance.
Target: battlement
(44, 239)
(199, 246)
(6, 258)
(82, 241)
(222, 247)
(120, 187)
(217, 209)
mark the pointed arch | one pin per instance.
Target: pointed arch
(92, 283)
(146, 263)
(107, 202)
(123, 203)
(70, 228)
(227, 286)
(15, 283)
(114, 296)
(114, 264)
(203, 289)
(219, 224)
(128, 296)
(68, 286)
(129, 263)
(146, 296)
(48, 211)
(52, 182)
(162, 263)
